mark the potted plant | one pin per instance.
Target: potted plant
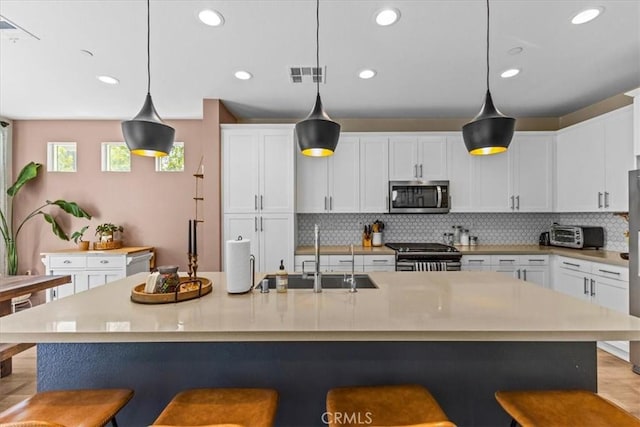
(10, 231)
(105, 231)
(77, 238)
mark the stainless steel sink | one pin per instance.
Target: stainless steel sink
(329, 281)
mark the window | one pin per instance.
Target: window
(174, 162)
(115, 157)
(61, 157)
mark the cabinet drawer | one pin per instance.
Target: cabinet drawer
(68, 262)
(534, 260)
(505, 260)
(574, 264)
(106, 262)
(379, 260)
(610, 271)
(309, 263)
(476, 260)
(342, 260)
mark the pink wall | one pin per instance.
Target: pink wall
(153, 207)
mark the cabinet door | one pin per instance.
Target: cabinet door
(344, 176)
(374, 174)
(492, 183)
(572, 283)
(99, 278)
(403, 162)
(537, 275)
(311, 184)
(618, 155)
(460, 167)
(432, 158)
(240, 170)
(78, 283)
(276, 242)
(580, 168)
(512, 271)
(244, 225)
(532, 170)
(613, 294)
(276, 172)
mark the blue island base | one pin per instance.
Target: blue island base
(462, 376)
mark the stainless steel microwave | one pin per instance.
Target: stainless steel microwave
(419, 197)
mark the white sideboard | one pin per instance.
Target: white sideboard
(89, 269)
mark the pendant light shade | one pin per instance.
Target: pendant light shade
(146, 134)
(490, 132)
(317, 134)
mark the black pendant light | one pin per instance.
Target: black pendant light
(490, 132)
(317, 134)
(146, 134)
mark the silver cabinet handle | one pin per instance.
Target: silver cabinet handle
(66, 261)
(512, 204)
(593, 288)
(380, 260)
(330, 203)
(325, 203)
(387, 202)
(609, 272)
(261, 204)
(421, 171)
(571, 264)
(606, 199)
(255, 222)
(476, 260)
(415, 171)
(518, 202)
(586, 291)
(104, 261)
(261, 227)
(524, 274)
(599, 199)
(518, 270)
(346, 261)
(536, 260)
(255, 202)
(506, 260)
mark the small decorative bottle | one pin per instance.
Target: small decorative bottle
(464, 237)
(456, 234)
(282, 278)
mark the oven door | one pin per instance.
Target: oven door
(428, 265)
(418, 196)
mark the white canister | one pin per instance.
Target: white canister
(464, 237)
(377, 239)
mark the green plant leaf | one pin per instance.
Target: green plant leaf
(77, 235)
(29, 172)
(71, 208)
(57, 230)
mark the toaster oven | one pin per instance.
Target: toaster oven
(576, 236)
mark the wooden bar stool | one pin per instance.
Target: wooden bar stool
(386, 405)
(250, 407)
(563, 408)
(70, 408)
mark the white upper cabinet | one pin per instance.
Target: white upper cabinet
(593, 159)
(531, 157)
(492, 183)
(374, 174)
(330, 184)
(460, 177)
(421, 158)
(258, 170)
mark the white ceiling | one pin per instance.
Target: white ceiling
(430, 63)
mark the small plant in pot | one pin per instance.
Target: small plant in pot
(77, 238)
(106, 231)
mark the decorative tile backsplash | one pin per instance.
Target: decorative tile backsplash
(491, 228)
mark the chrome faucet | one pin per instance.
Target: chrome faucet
(352, 288)
(317, 276)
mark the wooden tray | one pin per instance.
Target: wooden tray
(101, 246)
(140, 296)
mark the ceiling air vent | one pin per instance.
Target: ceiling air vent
(9, 30)
(307, 74)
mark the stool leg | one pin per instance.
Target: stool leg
(514, 423)
(114, 423)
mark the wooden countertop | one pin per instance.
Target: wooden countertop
(124, 250)
(607, 257)
(14, 286)
(407, 306)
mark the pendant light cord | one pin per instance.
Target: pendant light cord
(488, 20)
(148, 51)
(318, 46)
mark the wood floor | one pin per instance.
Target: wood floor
(616, 381)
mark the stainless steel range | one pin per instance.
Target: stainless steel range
(426, 257)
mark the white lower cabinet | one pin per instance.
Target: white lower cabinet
(89, 270)
(342, 263)
(271, 237)
(602, 284)
(531, 268)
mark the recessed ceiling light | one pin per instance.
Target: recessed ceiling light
(367, 74)
(515, 50)
(108, 80)
(587, 15)
(511, 72)
(243, 75)
(386, 17)
(211, 17)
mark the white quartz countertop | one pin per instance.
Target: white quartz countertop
(408, 306)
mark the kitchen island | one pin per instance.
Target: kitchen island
(463, 335)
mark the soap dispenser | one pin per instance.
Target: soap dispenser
(282, 278)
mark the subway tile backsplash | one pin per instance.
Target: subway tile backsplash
(491, 228)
